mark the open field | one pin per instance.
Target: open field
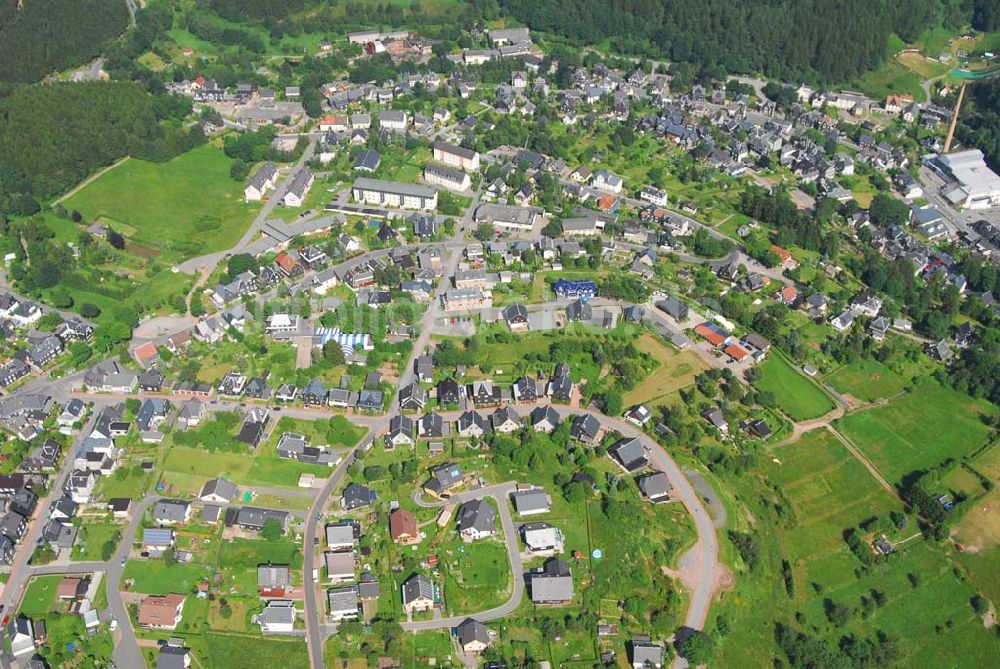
(921, 66)
(891, 78)
(677, 370)
(93, 537)
(229, 651)
(898, 437)
(828, 491)
(40, 597)
(154, 577)
(182, 208)
(867, 380)
(796, 395)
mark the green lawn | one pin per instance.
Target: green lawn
(477, 575)
(127, 481)
(867, 380)
(154, 577)
(253, 552)
(90, 543)
(795, 394)
(918, 430)
(181, 208)
(227, 651)
(40, 597)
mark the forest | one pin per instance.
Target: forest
(821, 41)
(45, 36)
(980, 120)
(52, 137)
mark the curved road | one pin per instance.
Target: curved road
(499, 493)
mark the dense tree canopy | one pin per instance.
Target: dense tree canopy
(980, 126)
(51, 137)
(827, 40)
(48, 35)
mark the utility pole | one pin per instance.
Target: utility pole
(954, 120)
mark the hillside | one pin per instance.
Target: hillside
(822, 40)
(50, 35)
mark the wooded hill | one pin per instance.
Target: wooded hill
(52, 137)
(45, 36)
(793, 40)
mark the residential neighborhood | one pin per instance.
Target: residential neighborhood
(454, 335)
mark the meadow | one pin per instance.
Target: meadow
(182, 208)
(823, 491)
(794, 394)
(676, 370)
(918, 430)
(867, 380)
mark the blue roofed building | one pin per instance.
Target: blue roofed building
(565, 288)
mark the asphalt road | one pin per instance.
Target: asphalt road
(500, 493)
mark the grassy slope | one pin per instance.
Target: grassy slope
(828, 491)
(182, 208)
(918, 431)
(796, 395)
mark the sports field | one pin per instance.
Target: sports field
(918, 430)
(182, 208)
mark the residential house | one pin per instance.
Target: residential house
(171, 511)
(553, 584)
(473, 636)
(161, 611)
(472, 424)
(476, 520)
(655, 487)
(403, 526)
(630, 454)
(530, 502)
(418, 594)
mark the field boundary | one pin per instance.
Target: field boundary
(93, 177)
(863, 460)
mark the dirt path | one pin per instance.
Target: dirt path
(800, 428)
(206, 272)
(83, 184)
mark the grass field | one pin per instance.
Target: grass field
(796, 395)
(230, 651)
(181, 208)
(677, 370)
(828, 491)
(188, 468)
(252, 552)
(40, 596)
(891, 78)
(477, 576)
(921, 66)
(898, 437)
(154, 577)
(90, 543)
(867, 380)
